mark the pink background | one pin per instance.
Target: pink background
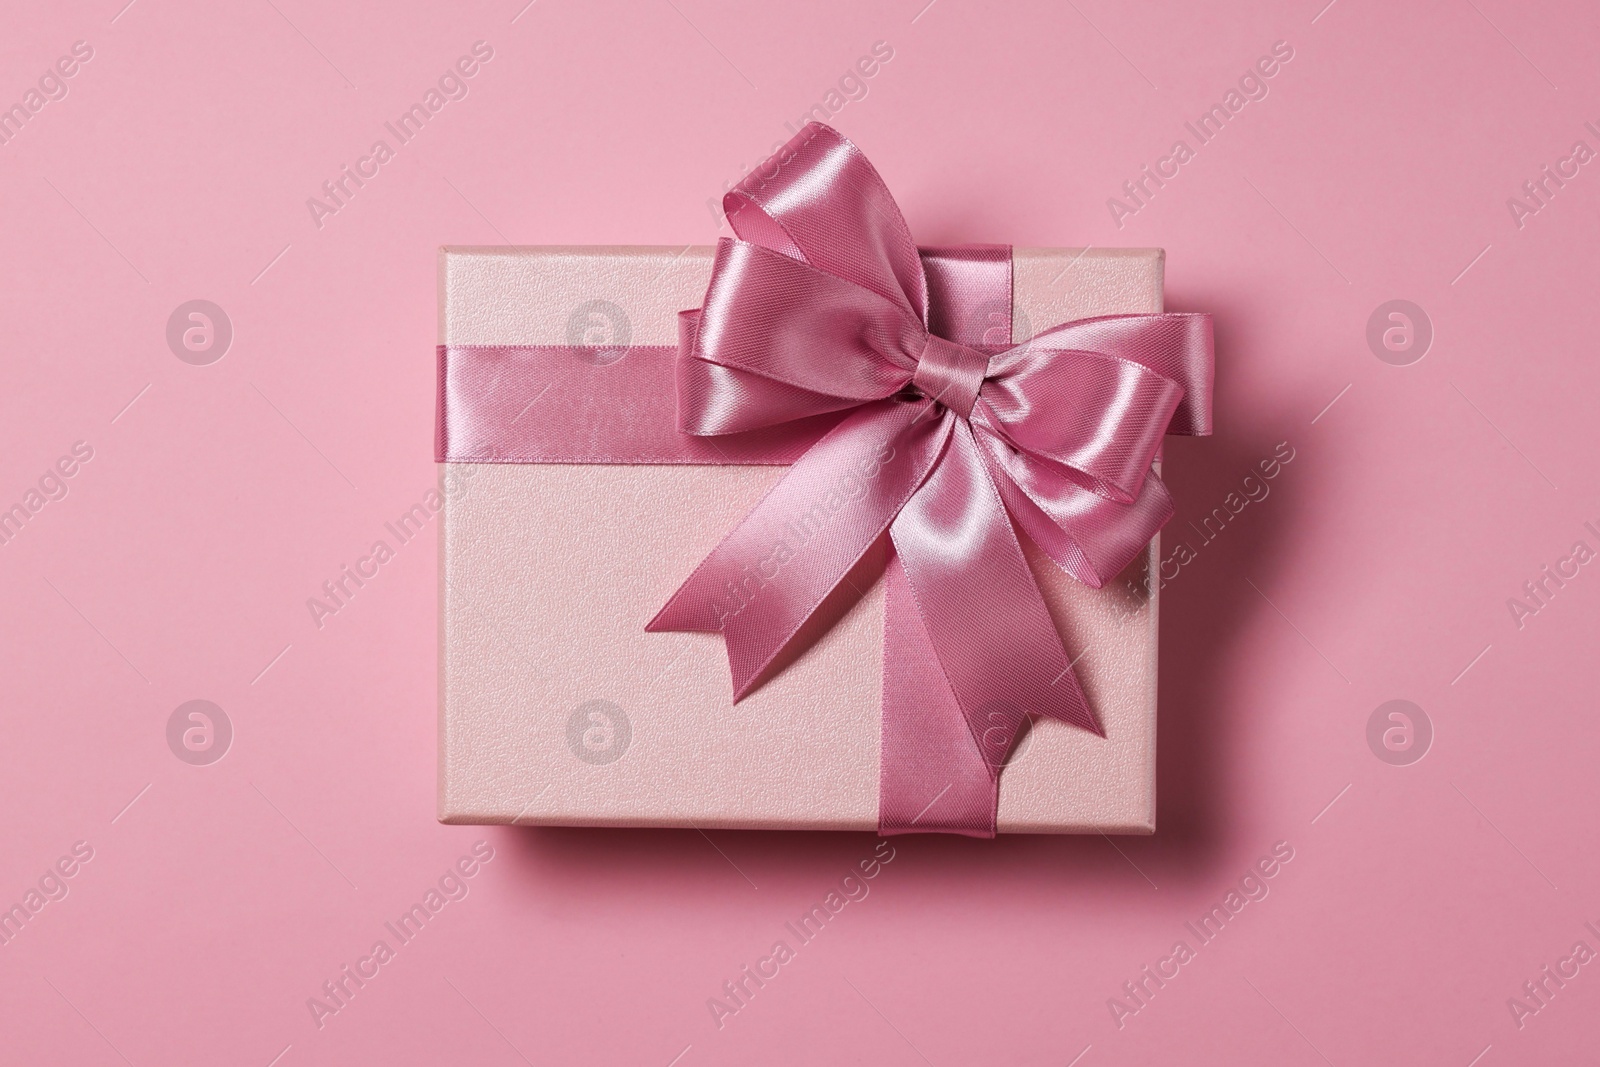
(221, 897)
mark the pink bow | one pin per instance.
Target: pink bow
(822, 307)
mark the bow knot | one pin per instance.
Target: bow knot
(822, 312)
(950, 374)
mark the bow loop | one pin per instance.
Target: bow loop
(1175, 346)
(819, 200)
(753, 355)
(1097, 415)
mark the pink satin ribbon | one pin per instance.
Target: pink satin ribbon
(892, 386)
(951, 448)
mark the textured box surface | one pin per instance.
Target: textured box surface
(557, 708)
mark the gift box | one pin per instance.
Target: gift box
(559, 545)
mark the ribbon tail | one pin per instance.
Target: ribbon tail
(767, 577)
(984, 615)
